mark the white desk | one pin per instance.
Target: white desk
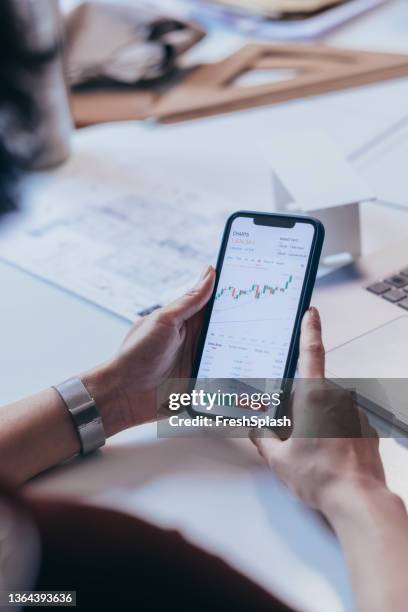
(216, 492)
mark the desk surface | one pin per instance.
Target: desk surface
(216, 492)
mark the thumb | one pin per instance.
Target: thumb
(194, 300)
(268, 445)
(311, 354)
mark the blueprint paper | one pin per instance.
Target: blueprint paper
(109, 228)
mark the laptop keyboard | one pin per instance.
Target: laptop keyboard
(394, 289)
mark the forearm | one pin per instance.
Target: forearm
(372, 526)
(35, 433)
(38, 432)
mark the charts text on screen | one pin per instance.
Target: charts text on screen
(256, 301)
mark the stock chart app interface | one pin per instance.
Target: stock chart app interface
(256, 300)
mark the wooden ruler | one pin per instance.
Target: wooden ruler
(215, 88)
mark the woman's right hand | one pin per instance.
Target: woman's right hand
(332, 446)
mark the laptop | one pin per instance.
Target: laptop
(364, 312)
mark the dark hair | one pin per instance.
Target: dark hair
(15, 102)
(7, 94)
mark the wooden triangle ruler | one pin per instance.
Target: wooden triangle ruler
(215, 88)
(212, 89)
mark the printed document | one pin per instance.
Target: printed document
(111, 229)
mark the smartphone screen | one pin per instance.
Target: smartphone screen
(263, 272)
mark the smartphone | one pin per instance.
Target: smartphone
(265, 275)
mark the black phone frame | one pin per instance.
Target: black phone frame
(275, 220)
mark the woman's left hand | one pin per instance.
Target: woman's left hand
(158, 347)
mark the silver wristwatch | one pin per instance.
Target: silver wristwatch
(85, 414)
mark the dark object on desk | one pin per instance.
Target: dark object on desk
(141, 45)
(215, 88)
(45, 141)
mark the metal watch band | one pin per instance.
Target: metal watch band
(85, 414)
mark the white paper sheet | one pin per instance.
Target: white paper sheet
(112, 229)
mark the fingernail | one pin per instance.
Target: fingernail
(205, 272)
(314, 313)
(203, 276)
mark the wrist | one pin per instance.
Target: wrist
(357, 496)
(103, 384)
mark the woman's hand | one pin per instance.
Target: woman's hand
(37, 433)
(332, 462)
(332, 446)
(158, 347)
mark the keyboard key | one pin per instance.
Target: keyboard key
(397, 280)
(395, 295)
(404, 304)
(379, 288)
